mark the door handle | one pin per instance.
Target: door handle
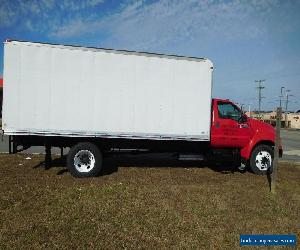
(243, 126)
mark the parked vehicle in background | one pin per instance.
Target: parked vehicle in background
(99, 100)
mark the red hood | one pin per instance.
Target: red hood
(1, 82)
(262, 127)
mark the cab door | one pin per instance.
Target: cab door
(228, 129)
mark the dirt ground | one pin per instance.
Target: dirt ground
(153, 207)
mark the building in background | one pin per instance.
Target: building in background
(288, 120)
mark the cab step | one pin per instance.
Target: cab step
(190, 157)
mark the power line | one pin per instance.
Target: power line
(260, 87)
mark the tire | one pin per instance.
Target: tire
(261, 161)
(84, 160)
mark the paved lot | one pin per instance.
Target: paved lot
(291, 145)
(290, 140)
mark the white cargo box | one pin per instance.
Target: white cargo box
(59, 90)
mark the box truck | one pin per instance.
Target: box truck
(95, 100)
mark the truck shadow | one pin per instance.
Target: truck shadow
(112, 162)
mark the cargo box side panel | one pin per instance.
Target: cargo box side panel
(73, 92)
(28, 88)
(11, 91)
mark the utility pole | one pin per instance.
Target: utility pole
(276, 151)
(280, 96)
(287, 101)
(260, 87)
(286, 108)
(249, 110)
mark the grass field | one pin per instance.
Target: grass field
(141, 207)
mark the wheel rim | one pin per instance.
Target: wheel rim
(84, 161)
(263, 160)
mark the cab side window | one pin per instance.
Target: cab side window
(228, 111)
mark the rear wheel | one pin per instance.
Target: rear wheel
(84, 160)
(261, 161)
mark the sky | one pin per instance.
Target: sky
(247, 40)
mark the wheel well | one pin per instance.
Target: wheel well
(268, 143)
(271, 144)
(246, 160)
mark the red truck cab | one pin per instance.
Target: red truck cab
(255, 140)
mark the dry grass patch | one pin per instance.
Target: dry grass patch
(135, 207)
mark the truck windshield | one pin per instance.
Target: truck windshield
(229, 111)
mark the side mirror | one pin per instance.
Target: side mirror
(243, 119)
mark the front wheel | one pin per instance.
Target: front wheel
(261, 161)
(84, 160)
